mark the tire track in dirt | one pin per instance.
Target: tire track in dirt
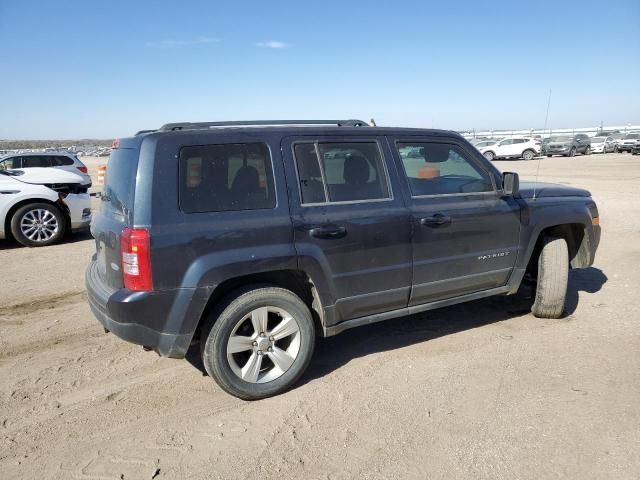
(45, 303)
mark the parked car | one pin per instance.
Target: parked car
(516, 147)
(603, 144)
(253, 240)
(568, 145)
(629, 141)
(39, 205)
(636, 149)
(61, 161)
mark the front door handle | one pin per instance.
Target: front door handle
(437, 220)
(328, 232)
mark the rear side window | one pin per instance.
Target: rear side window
(119, 179)
(36, 161)
(61, 161)
(441, 169)
(340, 172)
(217, 178)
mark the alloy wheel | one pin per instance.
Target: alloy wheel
(39, 225)
(263, 345)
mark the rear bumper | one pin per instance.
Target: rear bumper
(129, 315)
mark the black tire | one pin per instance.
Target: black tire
(616, 149)
(549, 155)
(31, 208)
(528, 155)
(587, 151)
(572, 152)
(489, 156)
(221, 324)
(553, 275)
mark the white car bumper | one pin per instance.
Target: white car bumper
(79, 206)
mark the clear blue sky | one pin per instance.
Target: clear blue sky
(71, 69)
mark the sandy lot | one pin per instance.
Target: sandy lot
(482, 390)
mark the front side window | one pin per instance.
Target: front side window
(9, 163)
(340, 172)
(441, 169)
(216, 178)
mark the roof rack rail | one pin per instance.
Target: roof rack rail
(248, 123)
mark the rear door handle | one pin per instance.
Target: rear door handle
(328, 232)
(437, 220)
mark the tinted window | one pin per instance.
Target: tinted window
(349, 171)
(439, 169)
(8, 163)
(61, 161)
(506, 142)
(520, 140)
(216, 178)
(119, 179)
(309, 175)
(36, 161)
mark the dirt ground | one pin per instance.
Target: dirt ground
(482, 390)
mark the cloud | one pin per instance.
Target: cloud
(182, 43)
(272, 44)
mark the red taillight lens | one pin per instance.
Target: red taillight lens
(136, 259)
(83, 169)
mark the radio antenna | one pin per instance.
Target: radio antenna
(546, 120)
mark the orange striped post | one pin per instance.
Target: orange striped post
(101, 171)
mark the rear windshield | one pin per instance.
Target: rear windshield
(120, 179)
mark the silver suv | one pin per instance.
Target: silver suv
(62, 161)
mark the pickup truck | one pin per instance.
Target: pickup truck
(253, 238)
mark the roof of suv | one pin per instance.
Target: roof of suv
(293, 127)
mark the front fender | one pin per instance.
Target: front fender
(544, 213)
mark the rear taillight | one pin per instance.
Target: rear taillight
(136, 259)
(83, 169)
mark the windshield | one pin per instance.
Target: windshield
(598, 139)
(560, 139)
(632, 136)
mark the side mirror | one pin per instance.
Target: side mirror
(510, 184)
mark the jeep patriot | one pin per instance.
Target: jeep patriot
(253, 238)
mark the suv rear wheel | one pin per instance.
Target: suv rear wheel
(38, 225)
(553, 275)
(528, 154)
(259, 342)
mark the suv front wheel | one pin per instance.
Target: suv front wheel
(38, 225)
(259, 342)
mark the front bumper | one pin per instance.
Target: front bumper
(557, 151)
(132, 315)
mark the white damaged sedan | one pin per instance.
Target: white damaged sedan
(39, 205)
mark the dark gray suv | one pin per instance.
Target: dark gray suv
(254, 238)
(568, 145)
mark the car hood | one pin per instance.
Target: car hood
(42, 176)
(550, 190)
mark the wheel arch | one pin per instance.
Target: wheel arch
(296, 281)
(577, 238)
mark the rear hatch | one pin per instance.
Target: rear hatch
(114, 214)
